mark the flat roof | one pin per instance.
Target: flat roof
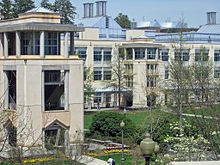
(38, 26)
(142, 45)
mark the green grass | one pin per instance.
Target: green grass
(140, 118)
(57, 162)
(204, 111)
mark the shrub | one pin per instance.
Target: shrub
(108, 124)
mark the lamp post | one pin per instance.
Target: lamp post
(122, 124)
(148, 146)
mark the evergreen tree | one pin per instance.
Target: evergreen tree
(47, 4)
(66, 9)
(123, 20)
(6, 9)
(21, 6)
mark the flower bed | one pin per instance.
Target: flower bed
(110, 150)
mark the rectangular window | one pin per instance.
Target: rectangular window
(139, 53)
(51, 43)
(166, 73)
(151, 53)
(54, 90)
(182, 54)
(97, 55)
(151, 81)
(201, 55)
(129, 54)
(107, 74)
(97, 98)
(81, 51)
(165, 54)
(217, 72)
(129, 68)
(107, 54)
(217, 55)
(129, 80)
(97, 73)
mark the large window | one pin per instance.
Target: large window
(97, 98)
(139, 53)
(217, 55)
(97, 55)
(165, 54)
(81, 51)
(166, 76)
(107, 54)
(107, 74)
(97, 73)
(151, 53)
(201, 55)
(129, 54)
(30, 43)
(51, 43)
(217, 72)
(182, 54)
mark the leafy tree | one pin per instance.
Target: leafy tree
(123, 21)
(21, 6)
(108, 124)
(6, 9)
(66, 9)
(46, 4)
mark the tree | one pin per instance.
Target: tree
(66, 9)
(123, 21)
(21, 6)
(46, 4)
(6, 9)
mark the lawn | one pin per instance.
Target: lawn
(204, 111)
(57, 162)
(140, 118)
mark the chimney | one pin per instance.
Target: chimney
(88, 10)
(211, 18)
(101, 8)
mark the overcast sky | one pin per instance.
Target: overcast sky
(194, 11)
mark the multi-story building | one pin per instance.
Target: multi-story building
(147, 54)
(41, 83)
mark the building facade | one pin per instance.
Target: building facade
(41, 83)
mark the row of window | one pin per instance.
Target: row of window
(102, 73)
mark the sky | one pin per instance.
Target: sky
(193, 11)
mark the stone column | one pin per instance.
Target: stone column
(42, 92)
(66, 91)
(145, 54)
(157, 54)
(133, 54)
(5, 44)
(1, 45)
(71, 43)
(18, 44)
(42, 52)
(6, 90)
(66, 53)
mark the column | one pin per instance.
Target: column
(157, 54)
(42, 52)
(5, 44)
(71, 43)
(1, 45)
(66, 91)
(145, 54)
(42, 92)
(6, 90)
(43, 138)
(18, 44)
(133, 53)
(66, 54)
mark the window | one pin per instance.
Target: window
(129, 81)
(107, 75)
(151, 53)
(129, 68)
(139, 53)
(166, 73)
(129, 54)
(97, 55)
(81, 52)
(51, 43)
(107, 54)
(165, 54)
(151, 81)
(152, 68)
(217, 55)
(217, 72)
(11, 90)
(97, 98)
(97, 73)
(106, 22)
(201, 55)
(30, 42)
(182, 54)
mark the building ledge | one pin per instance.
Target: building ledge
(37, 57)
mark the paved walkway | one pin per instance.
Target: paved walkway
(196, 163)
(91, 161)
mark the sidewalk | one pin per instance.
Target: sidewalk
(91, 161)
(196, 163)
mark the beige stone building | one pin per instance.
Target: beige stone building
(41, 87)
